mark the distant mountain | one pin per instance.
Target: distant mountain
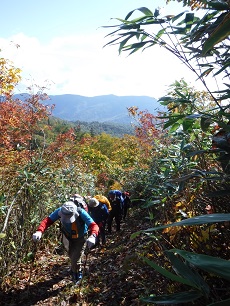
(103, 109)
(108, 108)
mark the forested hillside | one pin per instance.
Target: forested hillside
(92, 128)
(174, 246)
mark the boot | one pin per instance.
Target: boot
(76, 277)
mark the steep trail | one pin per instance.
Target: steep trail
(114, 275)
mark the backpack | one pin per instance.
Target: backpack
(118, 195)
(104, 200)
(79, 201)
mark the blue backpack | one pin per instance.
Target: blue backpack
(118, 195)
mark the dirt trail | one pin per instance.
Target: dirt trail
(114, 275)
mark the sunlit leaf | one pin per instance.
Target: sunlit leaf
(2, 235)
(215, 265)
(185, 271)
(144, 10)
(220, 33)
(134, 235)
(198, 220)
(167, 273)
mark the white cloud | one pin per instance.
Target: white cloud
(80, 65)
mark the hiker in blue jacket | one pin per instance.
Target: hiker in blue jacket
(127, 203)
(99, 213)
(116, 202)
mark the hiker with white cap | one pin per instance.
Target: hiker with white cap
(76, 223)
(99, 212)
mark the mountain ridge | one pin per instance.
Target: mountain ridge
(105, 108)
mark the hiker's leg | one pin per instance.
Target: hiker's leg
(109, 222)
(118, 221)
(76, 250)
(65, 242)
(125, 211)
(102, 234)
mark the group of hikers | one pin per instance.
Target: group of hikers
(85, 222)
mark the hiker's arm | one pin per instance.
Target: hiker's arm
(54, 216)
(93, 229)
(45, 224)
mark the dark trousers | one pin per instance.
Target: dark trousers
(101, 235)
(75, 249)
(117, 216)
(125, 209)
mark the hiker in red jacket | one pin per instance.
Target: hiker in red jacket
(75, 224)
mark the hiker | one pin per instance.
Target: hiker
(75, 225)
(104, 200)
(79, 201)
(116, 202)
(99, 213)
(127, 202)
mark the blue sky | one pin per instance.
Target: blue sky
(61, 48)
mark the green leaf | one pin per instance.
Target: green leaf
(193, 116)
(221, 32)
(180, 94)
(222, 69)
(218, 5)
(144, 10)
(151, 203)
(185, 271)
(198, 220)
(173, 120)
(175, 127)
(177, 16)
(189, 20)
(187, 124)
(2, 235)
(175, 298)
(123, 43)
(215, 265)
(160, 33)
(177, 30)
(134, 235)
(167, 273)
(205, 123)
(166, 99)
(137, 45)
(206, 72)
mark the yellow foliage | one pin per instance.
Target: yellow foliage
(172, 230)
(116, 186)
(9, 77)
(194, 4)
(192, 198)
(205, 235)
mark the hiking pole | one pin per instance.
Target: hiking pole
(86, 252)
